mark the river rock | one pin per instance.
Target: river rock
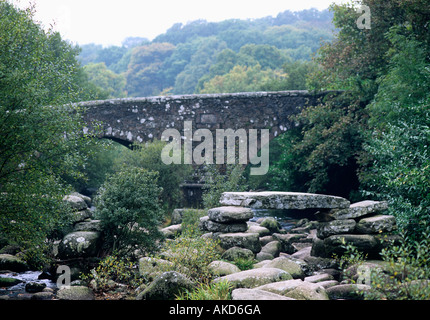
(327, 229)
(79, 244)
(222, 268)
(363, 242)
(359, 209)
(255, 277)
(249, 241)
(348, 291)
(287, 241)
(376, 224)
(256, 294)
(230, 214)
(76, 293)
(256, 228)
(283, 263)
(308, 291)
(166, 286)
(33, 287)
(273, 248)
(12, 263)
(213, 226)
(272, 224)
(236, 253)
(282, 200)
(8, 282)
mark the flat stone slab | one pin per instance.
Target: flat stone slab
(359, 209)
(255, 277)
(283, 200)
(230, 214)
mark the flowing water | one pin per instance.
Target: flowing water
(18, 290)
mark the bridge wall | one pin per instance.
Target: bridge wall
(144, 119)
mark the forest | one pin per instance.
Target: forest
(271, 53)
(370, 141)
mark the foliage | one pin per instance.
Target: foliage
(113, 269)
(147, 156)
(320, 155)
(191, 218)
(129, 208)
(191, 255)
(212, 291)
(101, 76)
(217, 182)
(41, 138)
(244, 264)
(398, 146)
(408, 271)
(187, 56)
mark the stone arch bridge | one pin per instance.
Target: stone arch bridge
(144, 119)
(132, 120)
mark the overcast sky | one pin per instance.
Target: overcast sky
(110, 22)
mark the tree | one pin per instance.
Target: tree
(102, 77)
(128, 205)
(41, 136)
(144, 70)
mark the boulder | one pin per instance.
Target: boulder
(359, 209)
(230, 214)
(81, 215)
(170, 232)
(290, 266)
(249, 241)
(222, 268)
(348, 291)
(273, 248)
(83, 197)
(91, 225)
(282, 200)
(281, 287)
(212, 226)
(376, 224)
(287, 241)
(12, 263)
(319, 278)
(76, 293)
(75, 202)
(271, 224)
(255, 277)
(34, 287)
(308, 291)
(256, 294)
(79, 244)
(327, 229)
(166, 287)
(153, 267)
(8, 282)
(363, 242)
(256, 228)
(235, 253)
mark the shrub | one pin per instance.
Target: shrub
(129, 208)
(212, 291)
(113, 268)
(191, 254)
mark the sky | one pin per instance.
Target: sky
(109, 22)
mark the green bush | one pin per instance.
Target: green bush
(148, 156)
(212, 291)
(128, 206)
(191, 255)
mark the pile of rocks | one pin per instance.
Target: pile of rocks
(84, 240)
(362, 225)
